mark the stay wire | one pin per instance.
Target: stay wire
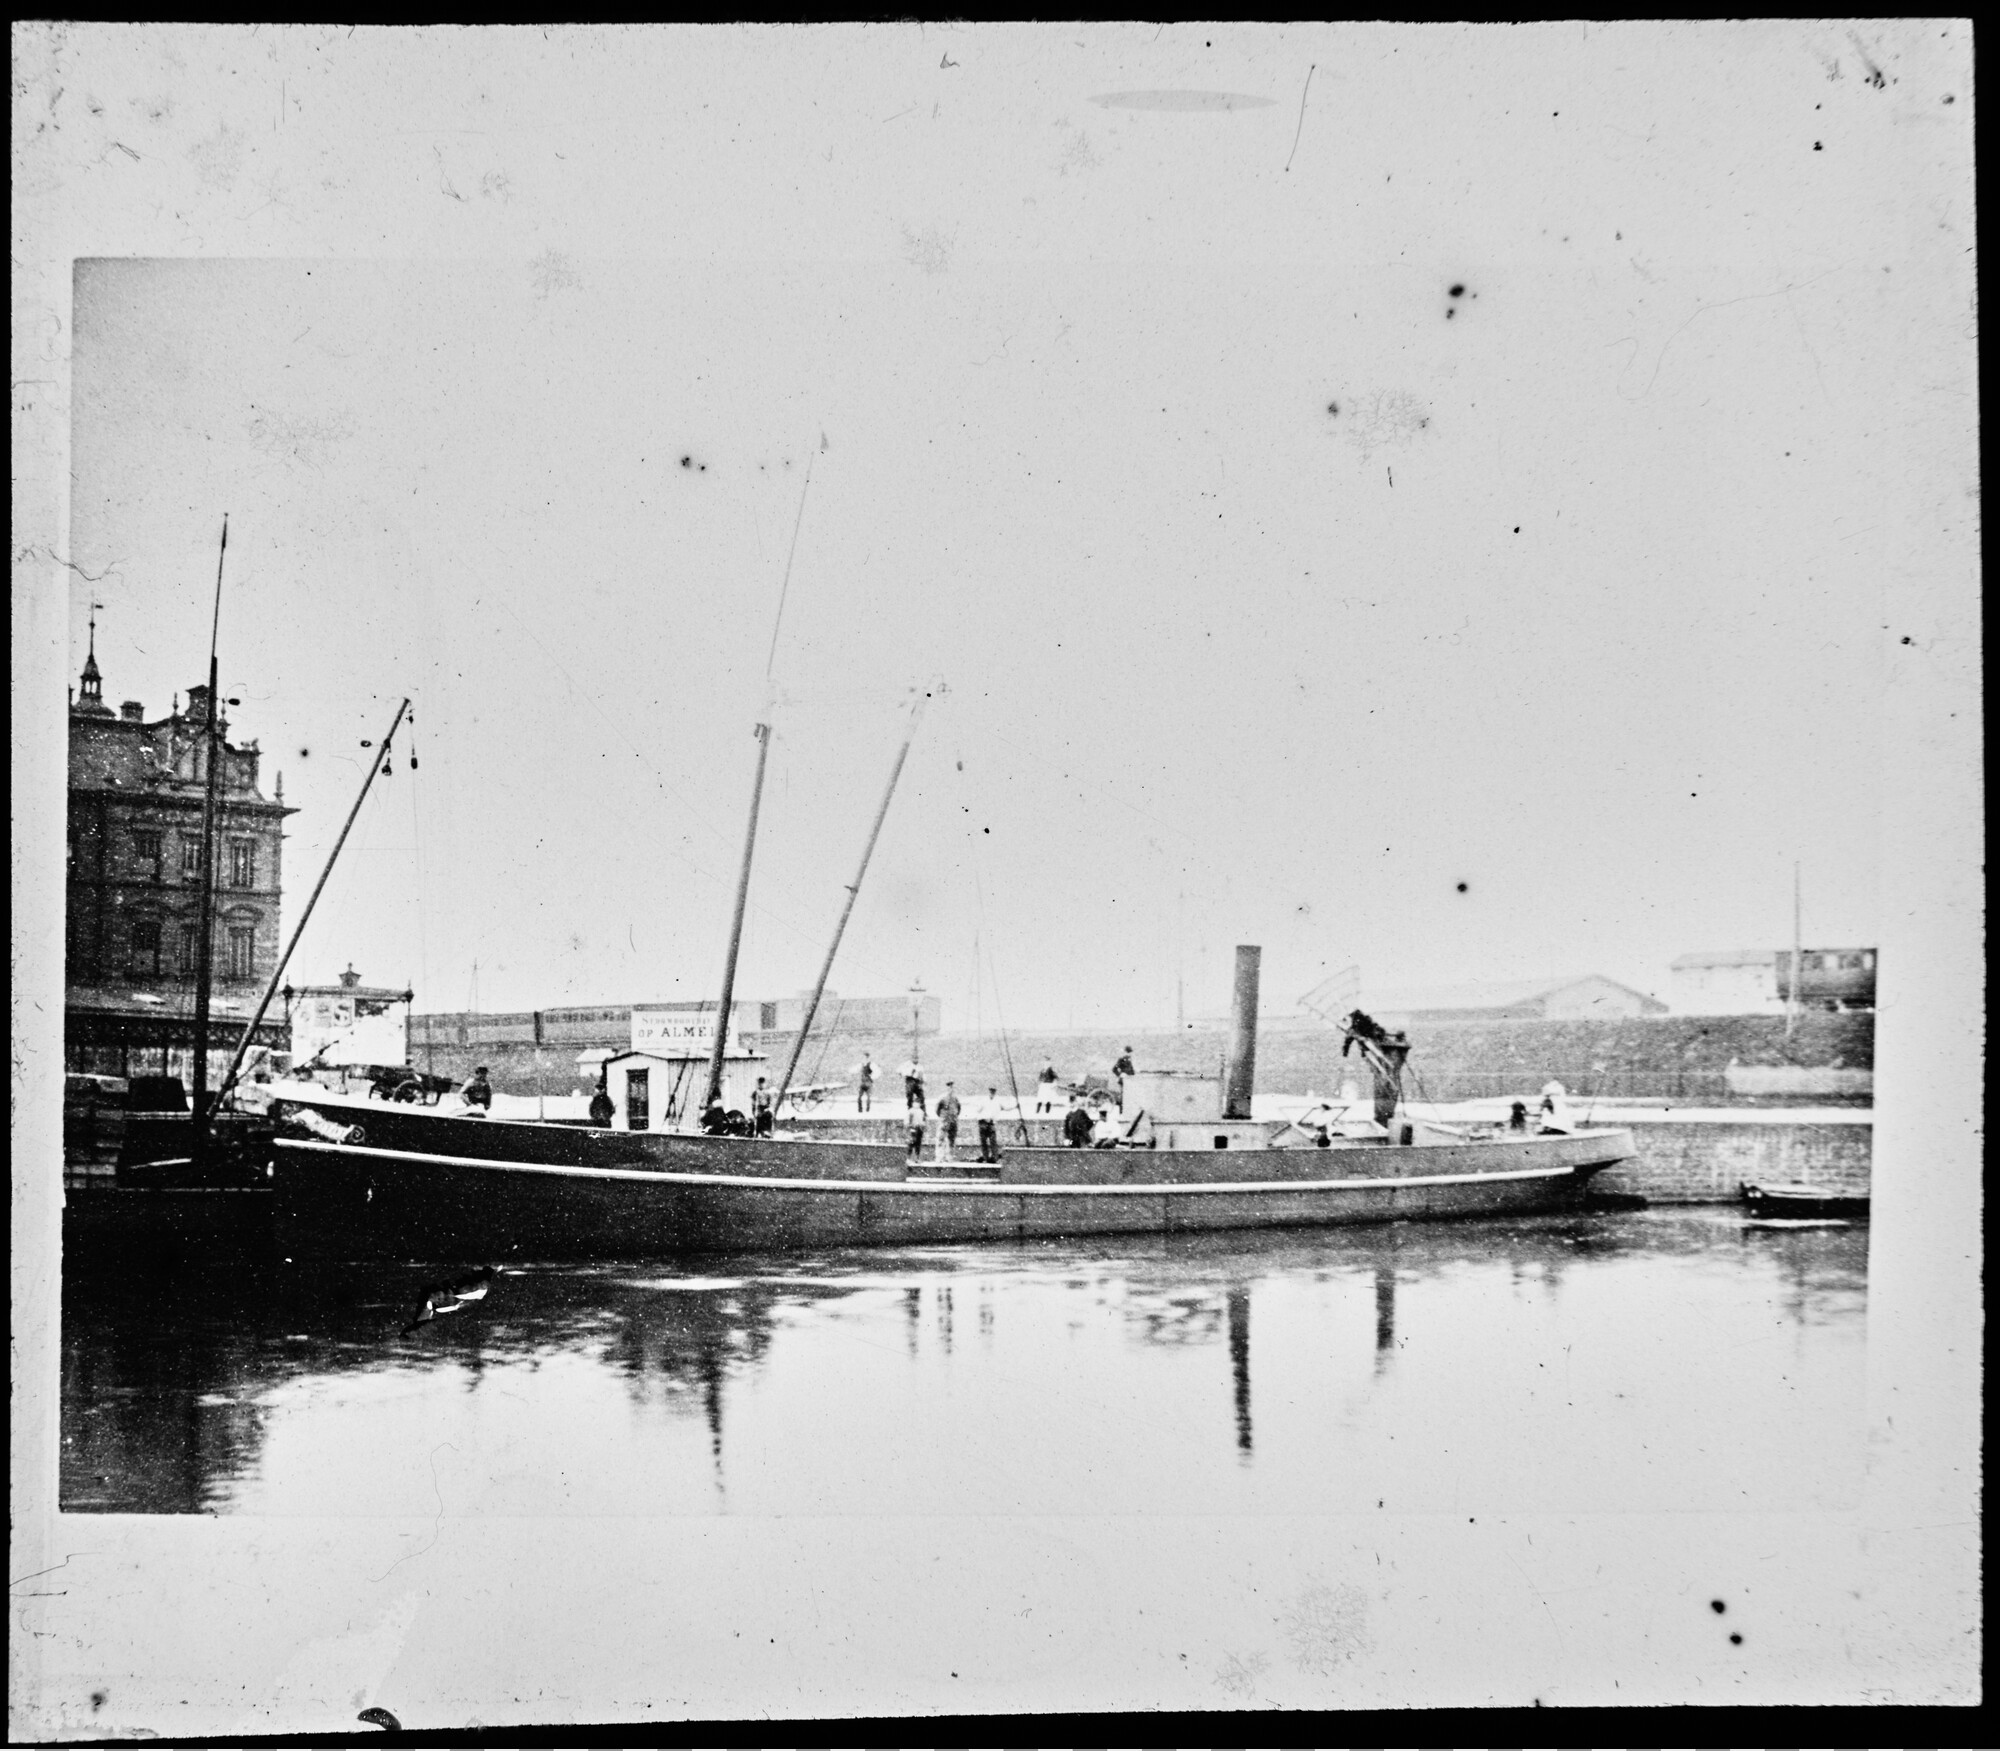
(826, 1039)
(423, 911)
(979, 934)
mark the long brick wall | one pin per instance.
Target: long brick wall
(1706, 1162)
(1672, 1057)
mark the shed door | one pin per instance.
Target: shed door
(638, 1100)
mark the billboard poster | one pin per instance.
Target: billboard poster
(337, 1028)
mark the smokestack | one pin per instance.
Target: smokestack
(1243, 1035)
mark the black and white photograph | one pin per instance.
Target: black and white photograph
(892, 872)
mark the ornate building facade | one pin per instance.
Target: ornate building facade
(136, 790)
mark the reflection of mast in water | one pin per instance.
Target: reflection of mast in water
(1239, 1362)
(1385, 1314)
(711, 1398)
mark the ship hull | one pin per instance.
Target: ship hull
(369, 1201)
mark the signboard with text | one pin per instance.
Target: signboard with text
(673, 1033)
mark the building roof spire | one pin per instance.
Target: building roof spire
(90, 696)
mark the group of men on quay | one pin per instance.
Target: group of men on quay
(1083, 1126)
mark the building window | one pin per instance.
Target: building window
(146, 848)
(638, 1100)
(243, 863)
(185, 963)
(242, 950)
(146, 946)
(190, 860)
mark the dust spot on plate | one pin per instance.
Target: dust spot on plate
(1378, 422)
(928, 249)
(1239, 1672)
(1187, 101)
(218, 158)
(553, 271)
(307, 438)
(1326, 1625)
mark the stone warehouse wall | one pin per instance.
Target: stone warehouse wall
(1704, 1163)
(1671, 1057)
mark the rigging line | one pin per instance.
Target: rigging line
(544, 651)
(417, 856)
(1184, 840)
(699, 868)
(1007, 1055)
(1108, 795)
(215, 624)
(756, 909)
(999, 1015)
(826, 1039)
(791, 553)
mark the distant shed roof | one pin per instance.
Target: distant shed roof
(1486, 996)
(1725, 957)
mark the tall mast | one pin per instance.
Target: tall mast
(298, 930)
(205, 922)
(853, 892)
(763, 734)
(1798, 958)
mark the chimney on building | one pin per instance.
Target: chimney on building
(132, 711)
(350, 978)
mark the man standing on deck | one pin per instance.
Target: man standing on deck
(1045, 1088)
(1122, 1069)
(865, 1096)
(916, 1118)
(478, 1093)
(913, 1086)
(760, 1108)
(602, 1111)
(948, 1111)
(989, 1126)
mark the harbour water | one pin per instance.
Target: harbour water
(1649, 1362)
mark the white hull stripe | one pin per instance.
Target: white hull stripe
(971, 1189)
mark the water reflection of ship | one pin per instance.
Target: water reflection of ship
(1820, 1262)
(1239, 1343)
(1239, 1363)
(684, 1343)
(1193, 1315)
(166, 1378)
(149, 1421)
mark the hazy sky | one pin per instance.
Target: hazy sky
(435, 314)
(1430, 511)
